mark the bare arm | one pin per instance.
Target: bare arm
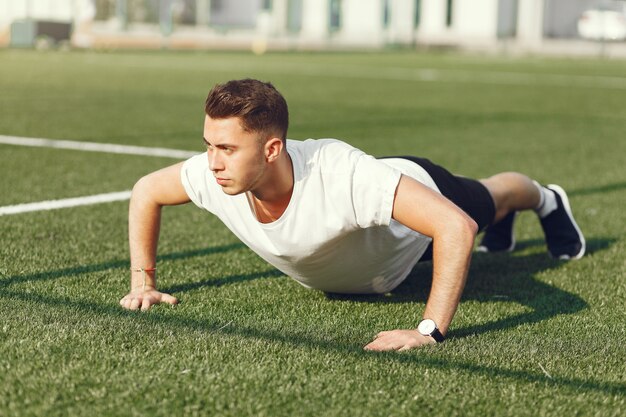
(150, 194)
(453, 233)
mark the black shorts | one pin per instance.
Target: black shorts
(468, 194)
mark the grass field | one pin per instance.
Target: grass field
(532, 337)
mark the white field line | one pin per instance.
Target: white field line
(67, 202)
(97, 147)
(89, 147)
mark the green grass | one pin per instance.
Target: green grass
(532, 336)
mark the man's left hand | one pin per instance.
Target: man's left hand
(398, 340)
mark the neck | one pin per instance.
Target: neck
(272, 197)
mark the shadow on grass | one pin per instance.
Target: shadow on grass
(495, 277)
(598, 190)
(159, 320)
(505, 276)
(115, 264)
(212, 282)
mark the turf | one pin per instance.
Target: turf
(532, 336)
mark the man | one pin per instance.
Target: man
(334, 218)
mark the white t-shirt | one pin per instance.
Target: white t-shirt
(337, 234)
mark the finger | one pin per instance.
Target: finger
(134, 304)
(145, 304)
(380, 342)
(371, 345)
(377, 346)
(374, 344)
(380, 348)
(166, 298)
(126, 303)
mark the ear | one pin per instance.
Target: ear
(273, 148)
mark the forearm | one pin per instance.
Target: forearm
(453, 232)
(150, 194)
(144, 221)
(452, 251)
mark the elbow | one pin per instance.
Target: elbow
(142, 191)
(459, 230)
(466, 229)
(472, 226)
(470, 229)
(140, 187)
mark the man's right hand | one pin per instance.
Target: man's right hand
(144, 298)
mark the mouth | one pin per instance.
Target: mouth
(221, 181)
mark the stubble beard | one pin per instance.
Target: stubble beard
(248, 184)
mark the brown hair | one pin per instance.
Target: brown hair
(259, 105)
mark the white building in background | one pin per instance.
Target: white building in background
(51, 15)
(302, 24)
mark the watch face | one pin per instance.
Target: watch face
(426, 327)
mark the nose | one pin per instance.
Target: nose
(215, 161)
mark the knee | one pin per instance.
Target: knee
(511, 191)
(502, 188)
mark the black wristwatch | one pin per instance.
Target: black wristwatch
(427, 327)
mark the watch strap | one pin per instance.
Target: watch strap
(436, 334)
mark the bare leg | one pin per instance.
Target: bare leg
(511, 191)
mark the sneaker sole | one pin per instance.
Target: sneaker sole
(561, 192)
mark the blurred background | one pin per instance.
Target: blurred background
(564, 27)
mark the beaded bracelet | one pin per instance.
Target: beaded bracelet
(143, 274)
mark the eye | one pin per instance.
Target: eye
(225, 149)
